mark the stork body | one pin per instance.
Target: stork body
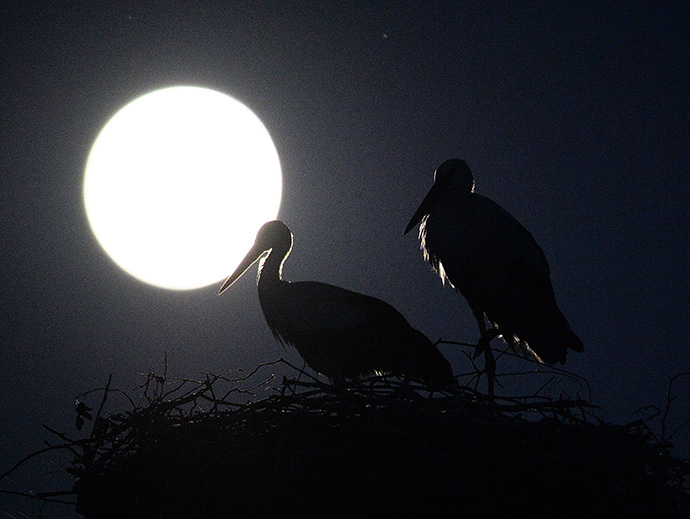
(339, 333)
(487, 255)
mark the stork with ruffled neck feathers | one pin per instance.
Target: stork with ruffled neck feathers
(495, 263)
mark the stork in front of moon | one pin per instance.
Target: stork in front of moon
(495, 263)
(339, 333)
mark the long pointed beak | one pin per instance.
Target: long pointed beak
(254, 254)
(425, 207)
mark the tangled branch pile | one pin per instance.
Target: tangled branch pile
(376, 448)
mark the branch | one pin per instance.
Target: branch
(669, 401)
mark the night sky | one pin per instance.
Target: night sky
(573, 119)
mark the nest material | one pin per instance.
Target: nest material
(375, 448)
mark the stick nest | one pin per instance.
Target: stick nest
(379, 447)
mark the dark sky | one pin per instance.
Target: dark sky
(574, 119)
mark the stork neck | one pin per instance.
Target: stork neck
(449, 203)
(459, 200)
(270, 271)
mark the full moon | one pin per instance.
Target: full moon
(178, 183)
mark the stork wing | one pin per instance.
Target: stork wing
(515, 243)
(328, 309)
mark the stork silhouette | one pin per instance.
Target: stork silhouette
(339, 333)
(496, 264)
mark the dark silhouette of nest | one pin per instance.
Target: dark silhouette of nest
(375, 448)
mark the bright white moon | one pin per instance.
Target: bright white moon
(177, 184)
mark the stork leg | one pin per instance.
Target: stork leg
(484, 346)
(489, 359)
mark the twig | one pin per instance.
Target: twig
(46, 497)
(100, 407)
(28, 457)
(669, 401)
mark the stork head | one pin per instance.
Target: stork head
(273, 235)
(455, 174)
(452, 178)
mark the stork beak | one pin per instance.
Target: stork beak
(425, 208)
(253, 255)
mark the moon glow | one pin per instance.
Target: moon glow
(178, 183)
